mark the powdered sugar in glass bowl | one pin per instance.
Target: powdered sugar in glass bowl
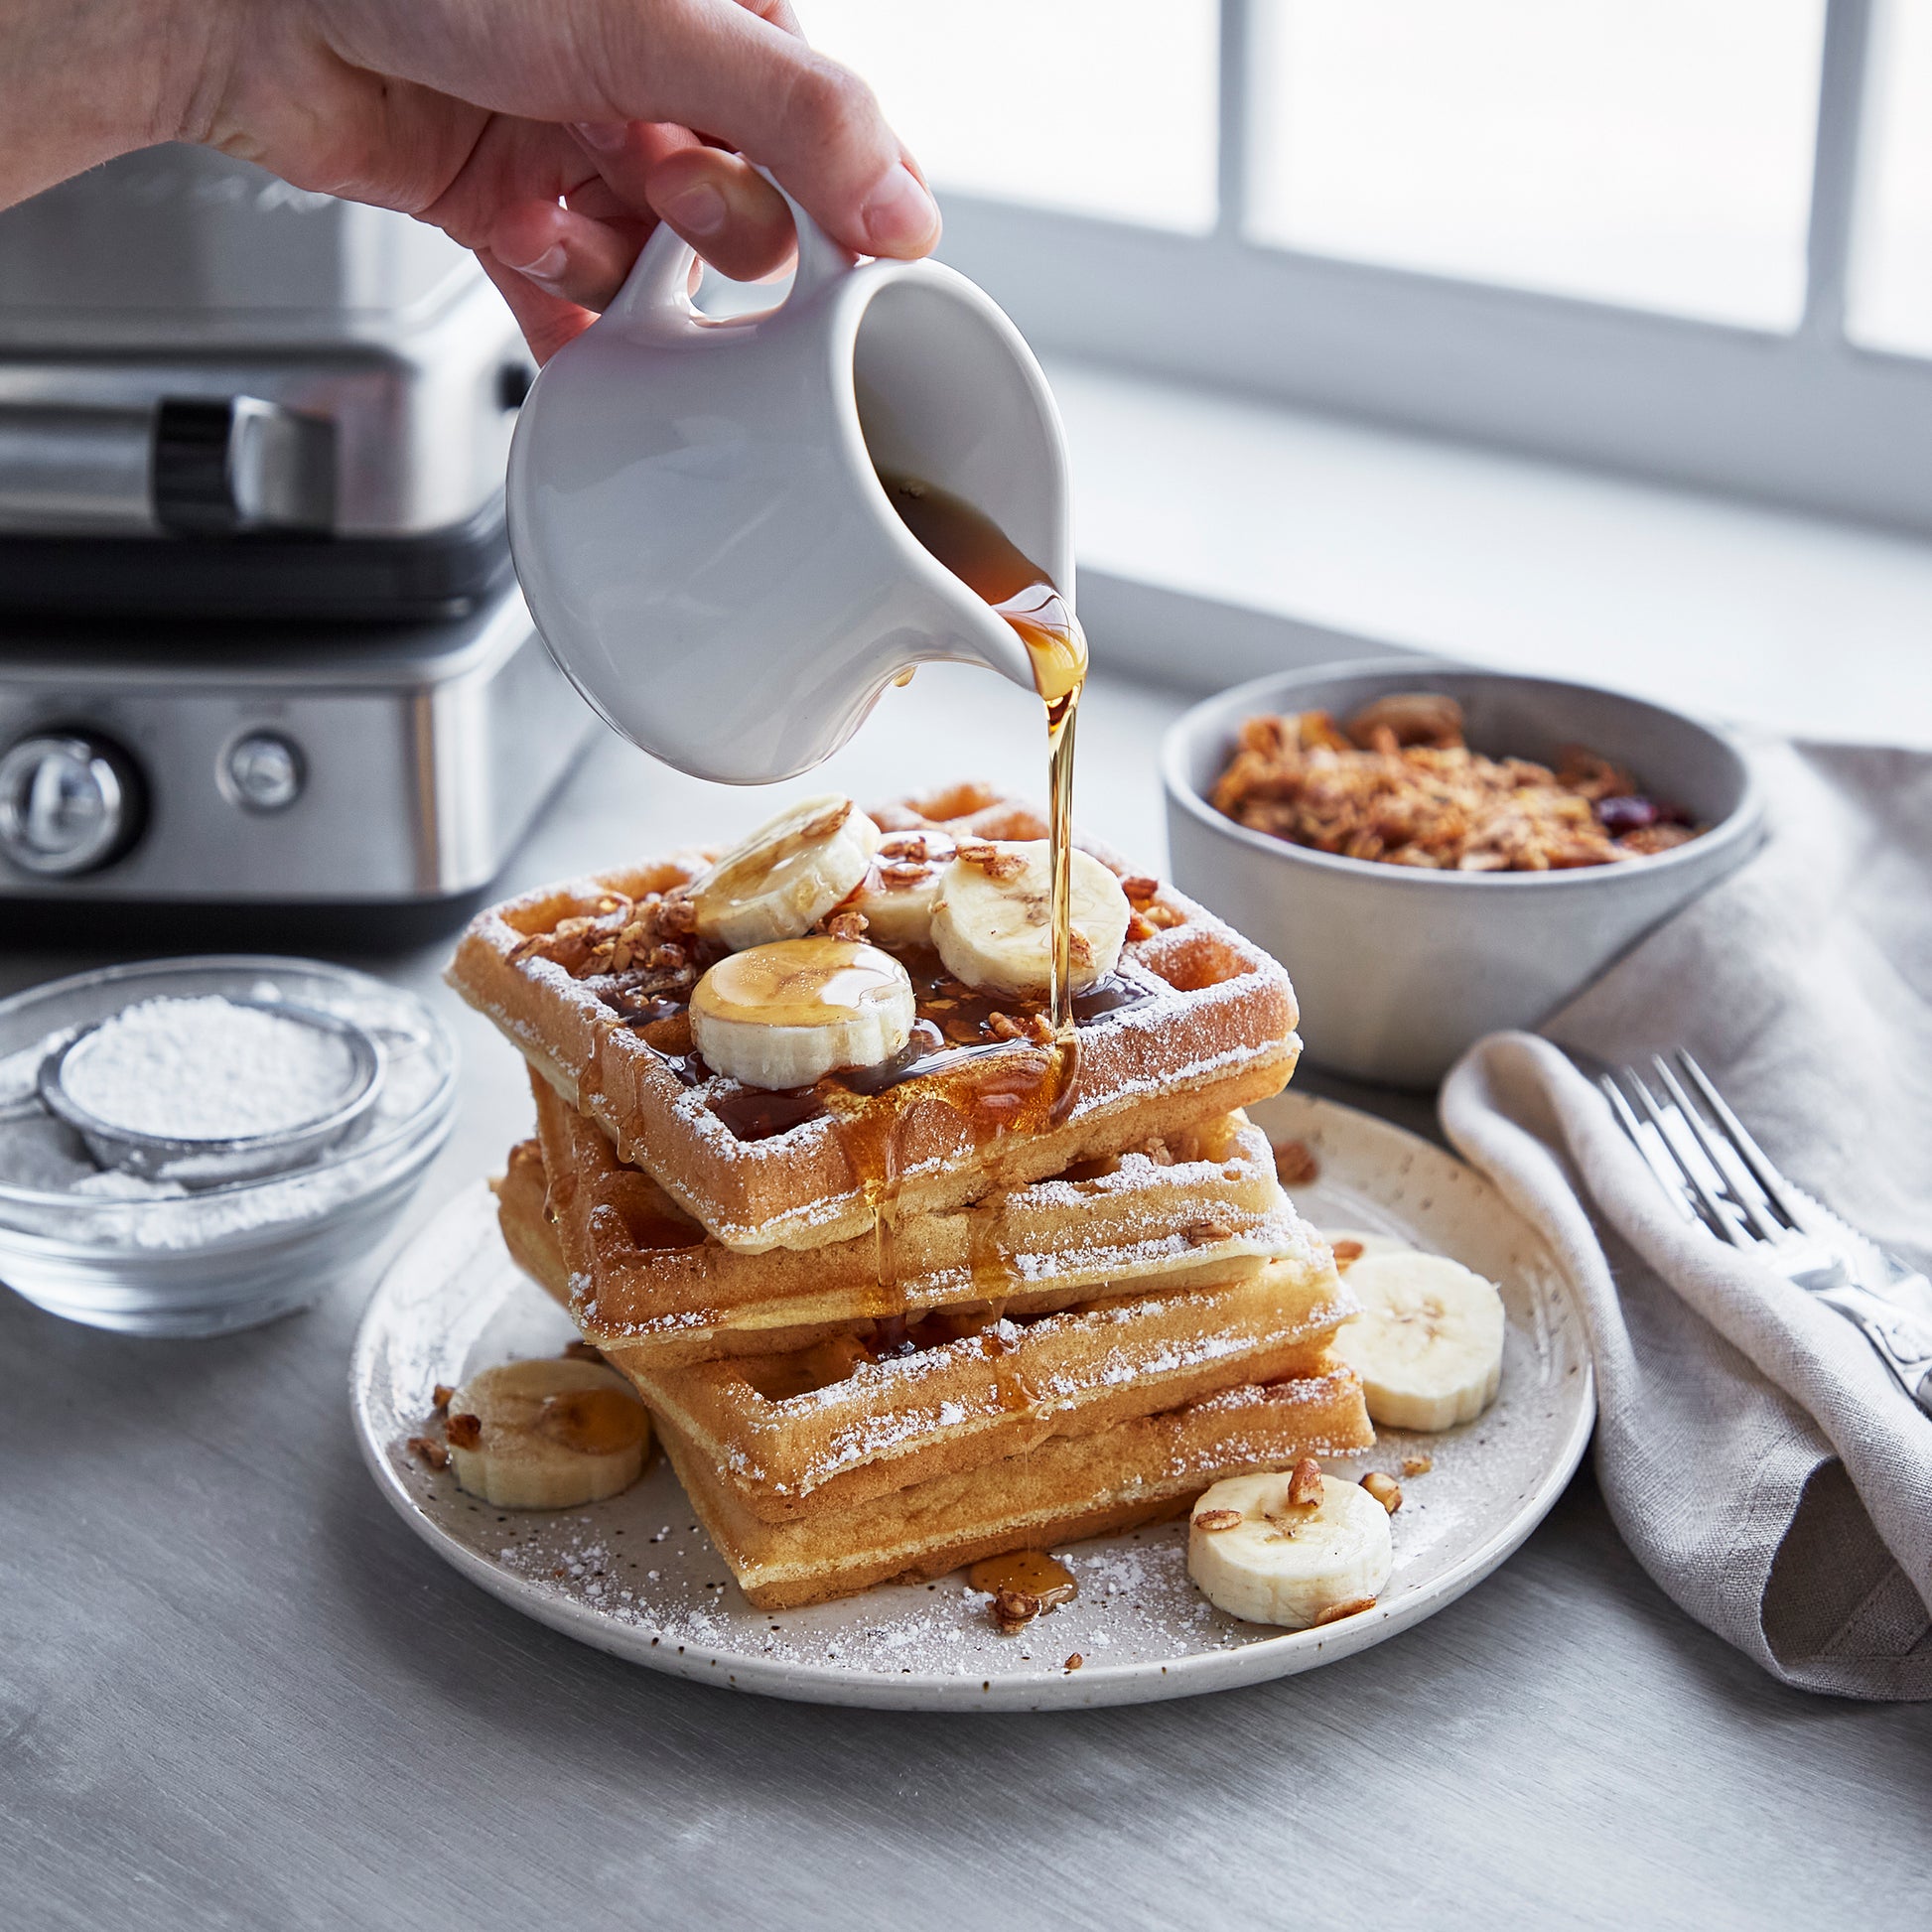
(155, 1257)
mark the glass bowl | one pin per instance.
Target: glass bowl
(156, 1259)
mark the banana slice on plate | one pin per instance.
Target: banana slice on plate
(783, 879)
(1429, 1342)
(1257, 1553)
(783, 1015)
(991, 919)
(547, 1435)
(898, 890)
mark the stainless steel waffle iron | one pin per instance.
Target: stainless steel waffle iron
(260, 645)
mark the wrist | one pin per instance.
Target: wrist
(83, 80)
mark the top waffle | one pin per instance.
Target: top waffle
(1195, 1023)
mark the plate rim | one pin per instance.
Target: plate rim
(1093, 1685)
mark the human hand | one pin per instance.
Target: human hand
(548, 135)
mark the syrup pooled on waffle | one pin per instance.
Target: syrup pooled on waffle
(595, 981)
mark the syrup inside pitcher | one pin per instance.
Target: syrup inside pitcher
(987, 561)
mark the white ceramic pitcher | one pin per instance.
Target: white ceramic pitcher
(697, 523)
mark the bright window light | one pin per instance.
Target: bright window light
(1651, 153)
(1889, 301)
(1105, 107)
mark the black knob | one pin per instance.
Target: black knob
(70, 802)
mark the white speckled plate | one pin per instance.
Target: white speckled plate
(636, 1576)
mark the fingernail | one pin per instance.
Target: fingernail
(547, 267)
(898, 212)
(697, 209)
(607, 137)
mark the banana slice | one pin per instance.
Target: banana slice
(1429, 1342)
(896, 897)
(547, 1435)
(1254, 1553)
(780, 1016)
(786, 876)
(992, 920)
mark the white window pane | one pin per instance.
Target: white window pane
(1890, 303)
(1106, 108)
(1655, 153)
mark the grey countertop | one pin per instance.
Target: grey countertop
(235, 1691)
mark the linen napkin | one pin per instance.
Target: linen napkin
(1757, 1454)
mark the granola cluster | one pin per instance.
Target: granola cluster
(1399, 785)
(641, 948)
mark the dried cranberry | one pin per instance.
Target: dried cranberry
(1617, 816)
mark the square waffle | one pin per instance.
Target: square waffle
(836, 1420)
(1071, 1486)
(1204, 1207)
(1195, 1023)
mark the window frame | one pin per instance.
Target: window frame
(1808, 419)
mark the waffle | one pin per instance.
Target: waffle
(1064, 1489)
(824, 1421)
(531, 1234)
(830, 1426)
(1205, 1208)
(1201, 1023)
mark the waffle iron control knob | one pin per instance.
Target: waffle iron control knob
(70, 802)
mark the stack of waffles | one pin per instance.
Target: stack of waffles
(1009, 1297)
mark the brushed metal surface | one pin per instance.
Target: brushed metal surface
(424, 751)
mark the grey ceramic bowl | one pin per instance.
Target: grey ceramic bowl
(1398, 970)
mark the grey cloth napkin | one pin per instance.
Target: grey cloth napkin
(1757, 1454)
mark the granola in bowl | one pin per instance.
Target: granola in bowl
(1399, 785)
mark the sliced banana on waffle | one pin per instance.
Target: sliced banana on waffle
(783, 1015)
(1256, 1552)
(547, 1435)
(897, 897)
(783, 878)
(992, 917)
(1429, 1342)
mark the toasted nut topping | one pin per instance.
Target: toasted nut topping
(678, 916)
(1417, 1465)
(1199, 1233)
(1305, 1485)
(1353, 1607)
(848, 926)
(465, 1431)
(1002, 1025)
(989, 859)
(1162, 917)
(1013, 1610)
(1385, 1490)
(1039, 1029)
(1217, 1519)
(430, 1450)
(902, 873)
(1345, 1252)
(908, 848)
(1139, 929)
(1296, 1164)
(1075, 1661)
(440, 1397)
(1140, 888)
(582, 1351)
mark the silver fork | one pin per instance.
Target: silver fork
(1721, 1180)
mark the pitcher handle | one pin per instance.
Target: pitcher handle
(660, 280)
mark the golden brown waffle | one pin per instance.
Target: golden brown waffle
(834, 1424)
(1206, 1025)
(1206, 1207)
(1064, 1489)
(530, 1233)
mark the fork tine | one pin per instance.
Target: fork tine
(1721, 1222)
(1739, 1185)
(1671, 1181)
(1753, 1156)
